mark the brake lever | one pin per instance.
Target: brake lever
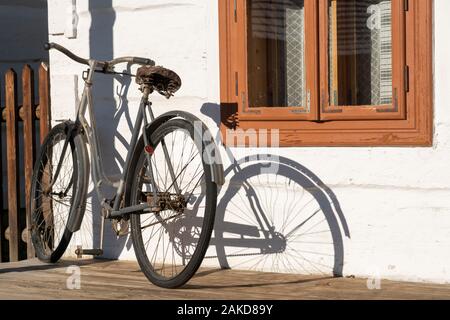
(111, 71)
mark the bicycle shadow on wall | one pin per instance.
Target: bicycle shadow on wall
(275, 215)
(111, 107)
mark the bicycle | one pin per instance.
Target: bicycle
(166, 194)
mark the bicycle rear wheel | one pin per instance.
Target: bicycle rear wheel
(54, 198)
(170, 244)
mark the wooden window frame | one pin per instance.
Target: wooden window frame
(411, 127)
(397, 110)
(311, 48)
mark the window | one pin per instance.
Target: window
(276, 54)
(328, 72)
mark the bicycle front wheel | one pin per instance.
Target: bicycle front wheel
(56, 196)
(171, 241)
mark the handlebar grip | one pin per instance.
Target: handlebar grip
(143, 61)
(48, 46)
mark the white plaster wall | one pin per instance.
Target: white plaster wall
(24, 30)
(395, 201)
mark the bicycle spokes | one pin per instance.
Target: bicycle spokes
(52, 193)
(172, 234)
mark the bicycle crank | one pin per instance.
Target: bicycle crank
(120, 227)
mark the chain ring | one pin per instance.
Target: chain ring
(121, 227)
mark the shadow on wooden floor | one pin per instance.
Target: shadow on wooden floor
(36, 265)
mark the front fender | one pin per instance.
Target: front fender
(211, 152)
(79, 207)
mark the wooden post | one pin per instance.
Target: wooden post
(12, 163)
(2, 236)
(44, 121)
(28, 117)
(44, 101)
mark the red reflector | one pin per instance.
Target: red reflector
(149, 149)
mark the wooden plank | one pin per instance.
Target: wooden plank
(44, 101)
(2, 229)
(44, 122)
(12, 165)
(29, 145)
(102, 279)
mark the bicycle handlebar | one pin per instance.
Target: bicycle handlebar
(103, 64)
(50, 45)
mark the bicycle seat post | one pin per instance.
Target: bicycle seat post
(146, 91)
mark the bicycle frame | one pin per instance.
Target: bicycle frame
(97, 171)
(142, 125)
(84, 133)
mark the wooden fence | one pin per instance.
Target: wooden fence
(24, 127)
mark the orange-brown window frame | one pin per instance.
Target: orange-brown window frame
(311, 49)
(410, 125)
(397, 110)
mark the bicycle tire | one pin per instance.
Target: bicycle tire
(42, 222)
(210, 197)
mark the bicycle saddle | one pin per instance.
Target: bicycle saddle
(162, 80)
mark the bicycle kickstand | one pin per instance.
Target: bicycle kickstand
(92, 252)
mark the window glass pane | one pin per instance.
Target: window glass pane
(360, 57)
(276, 53)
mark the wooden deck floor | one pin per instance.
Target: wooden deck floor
(123, 280)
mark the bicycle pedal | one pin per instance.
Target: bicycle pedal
(80, 252)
